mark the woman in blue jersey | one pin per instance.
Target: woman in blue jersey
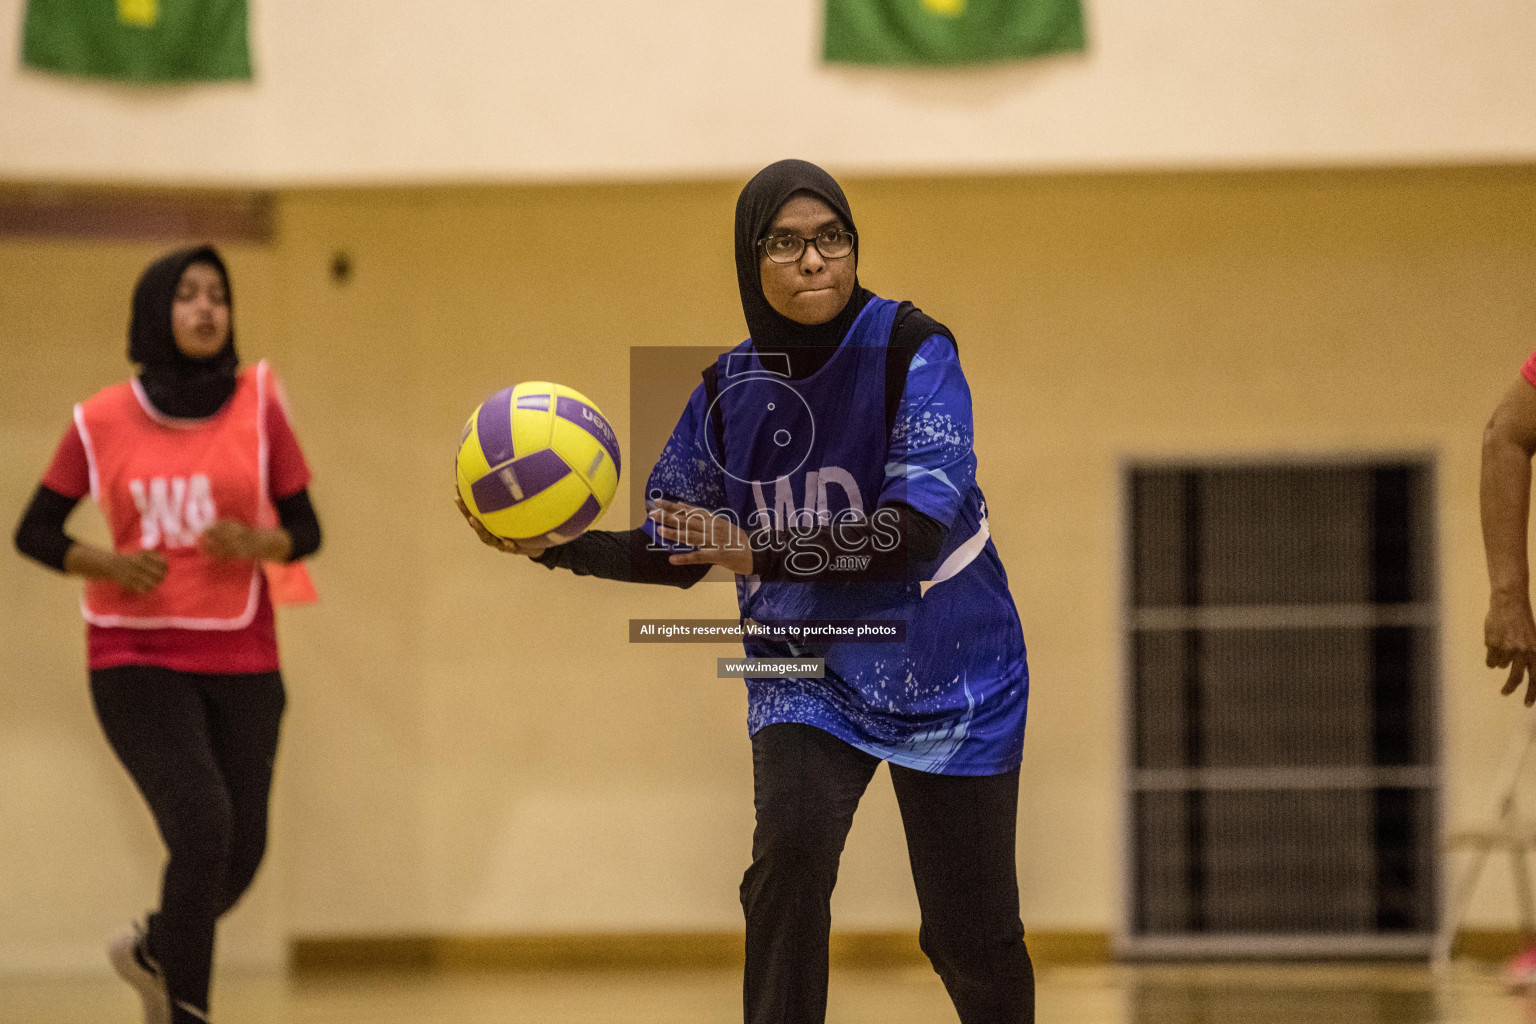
(828, 462)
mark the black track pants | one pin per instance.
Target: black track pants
(960, 839)
(200, 748)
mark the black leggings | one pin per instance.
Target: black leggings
(200, 748)
(960, 840)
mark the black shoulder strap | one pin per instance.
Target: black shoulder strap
(716, 417)
(911, 329)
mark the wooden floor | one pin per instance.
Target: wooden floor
(1319, 994)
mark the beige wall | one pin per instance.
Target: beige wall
(368, 91)
(473, 746)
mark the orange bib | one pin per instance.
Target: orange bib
(161, 482)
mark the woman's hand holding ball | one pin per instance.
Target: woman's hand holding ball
(530, 548)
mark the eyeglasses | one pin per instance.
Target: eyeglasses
(833, 244)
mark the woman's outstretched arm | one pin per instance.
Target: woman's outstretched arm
(1508, 444)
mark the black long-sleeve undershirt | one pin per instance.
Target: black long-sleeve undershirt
(296, 514)
(624, 555)
(40, 535)
(628, 555)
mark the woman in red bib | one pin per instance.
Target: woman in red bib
(204, 489)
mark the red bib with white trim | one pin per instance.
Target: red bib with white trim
(161, 482)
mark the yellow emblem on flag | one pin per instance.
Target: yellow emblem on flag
(943, 8)
(140, 13)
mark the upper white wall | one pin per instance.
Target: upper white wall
(505, 90)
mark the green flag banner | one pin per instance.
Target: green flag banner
(139, 40)
(949, 31)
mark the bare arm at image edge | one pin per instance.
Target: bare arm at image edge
(1509, 441)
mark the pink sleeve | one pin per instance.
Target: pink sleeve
(69, 473)
(289, 473)
(1528, 371)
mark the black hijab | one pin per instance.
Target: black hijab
(177, 384)
(758, 204)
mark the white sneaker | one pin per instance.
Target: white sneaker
(124, 950)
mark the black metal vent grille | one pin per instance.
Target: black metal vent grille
(1281, 647)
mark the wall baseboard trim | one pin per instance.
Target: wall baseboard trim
(1491, 944)
(687, 950)
(872, 949)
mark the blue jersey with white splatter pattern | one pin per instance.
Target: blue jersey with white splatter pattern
(952, 698)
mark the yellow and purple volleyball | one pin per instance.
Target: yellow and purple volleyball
(538, 460)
